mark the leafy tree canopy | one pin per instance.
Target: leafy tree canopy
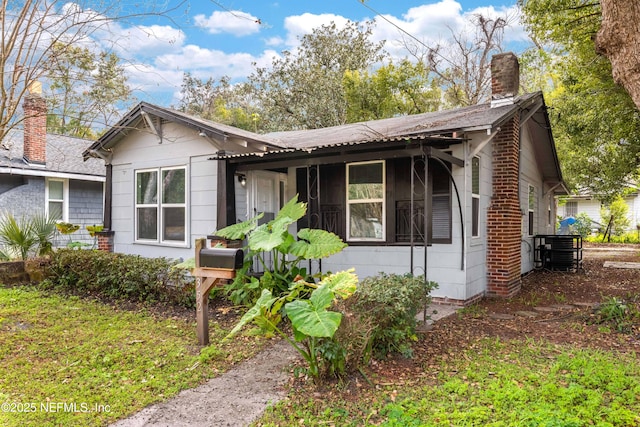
(596, 125)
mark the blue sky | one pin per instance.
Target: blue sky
(215, 38)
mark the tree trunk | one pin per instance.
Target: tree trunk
(619, 40)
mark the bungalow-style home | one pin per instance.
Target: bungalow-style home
(45, 173)
(457, 194)
(590, 204)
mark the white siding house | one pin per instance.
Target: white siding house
(469, 186)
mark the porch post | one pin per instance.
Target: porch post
(226, 194)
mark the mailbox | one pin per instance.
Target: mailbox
(224, 258)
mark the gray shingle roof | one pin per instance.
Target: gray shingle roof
(460, 119)
(64, 155)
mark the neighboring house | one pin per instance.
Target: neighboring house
(45, 173)
(458, 194)
(591, 205)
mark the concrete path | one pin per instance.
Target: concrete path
(236, 398)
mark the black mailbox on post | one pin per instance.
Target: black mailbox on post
(225, 258)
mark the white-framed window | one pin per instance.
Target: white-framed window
(366, 201)
(532, 207)
(161, 205)
(571, 209)
(475, 197)
(57, 199)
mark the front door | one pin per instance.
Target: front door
(267, 192)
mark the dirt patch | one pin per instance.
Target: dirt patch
(555, 307)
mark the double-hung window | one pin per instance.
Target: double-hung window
(161, 210)
(365, 201)
(57, 196)
(475, 197)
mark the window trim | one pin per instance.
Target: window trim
(349, 202)
(531, 209)
(159, 205)
(475, 198)
(65, 197)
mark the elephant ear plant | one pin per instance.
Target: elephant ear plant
(312, 320)
(278, 252)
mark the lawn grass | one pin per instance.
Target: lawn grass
(496, 383)
(68, 361)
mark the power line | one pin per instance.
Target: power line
(223, 7)
(431, 50)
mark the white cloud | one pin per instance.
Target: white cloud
(274, 41)
(235, 22)
(149, 41)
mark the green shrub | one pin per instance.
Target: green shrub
(272, 241)
(630, 237)
(622, 315)
(616, 215)
(120, 276)
(583, 225)
(391, 302)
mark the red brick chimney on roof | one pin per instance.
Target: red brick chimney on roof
(505, 79)
(35, 126)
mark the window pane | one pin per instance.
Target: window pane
(475, 217)
(56, 190)
(366, 221)
(173, 224)
(475, 175)
(173, 188)
(532, 198)
(530, 223)
(146, 187)
(147, 219)
(55, 211)
(365, 191)
(365, 181)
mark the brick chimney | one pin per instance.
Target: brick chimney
(504, 218)
(35, 126)
(505, 79)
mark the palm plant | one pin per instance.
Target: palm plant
(17, 237)
(44, 229)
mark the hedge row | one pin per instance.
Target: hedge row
(120, 276)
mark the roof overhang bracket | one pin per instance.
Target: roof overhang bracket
(101, 154)
(553, 189)
(439, 154)
(484, 142)
(156, 128)
(534, 109)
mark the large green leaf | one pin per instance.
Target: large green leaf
(260, 309)
(322, 297)
(267, 236)
(293, 210)
(314, 244)
(342, 283)
(240, 230)
(311, 320)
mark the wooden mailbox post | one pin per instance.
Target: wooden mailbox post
(206, 278)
